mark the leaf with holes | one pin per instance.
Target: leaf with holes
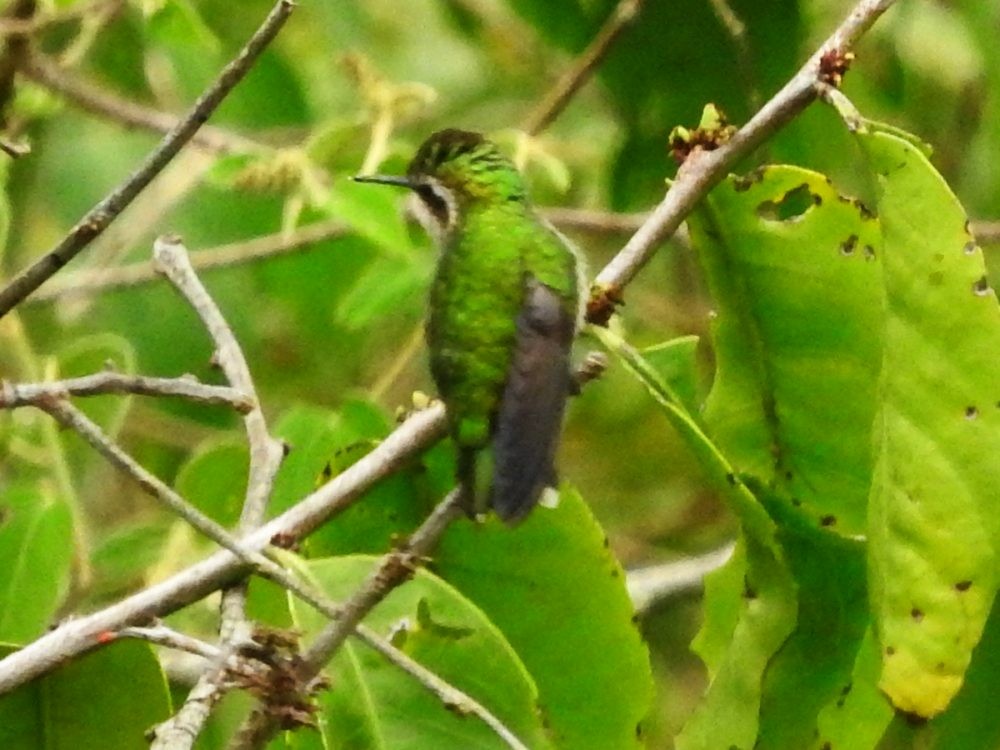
(933, 523)
(794, 271)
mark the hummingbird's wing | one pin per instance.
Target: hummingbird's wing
(530, 416)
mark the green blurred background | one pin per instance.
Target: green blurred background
(341, 320)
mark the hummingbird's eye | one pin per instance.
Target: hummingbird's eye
(436, 203)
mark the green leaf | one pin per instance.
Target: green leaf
(756, 522)
(89, 354)
(36, 554)
(4, 208)
(971, 720)
(813, 665)
(729, 715)
(860, 714)
(933, 524)
(122, 557)
(214, 479)
(324, 443)
(177, 25)
(386, 288)
(675, 361)
(373, 704)
(103, 701)
(558, 595)
(794, 274)
(375, 212)
(722, 605)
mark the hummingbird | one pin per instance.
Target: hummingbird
(505, 305)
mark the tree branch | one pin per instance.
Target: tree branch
(704, 169)
(232, 254)
(651, 585)
(14, 395)
(90, 97)
(394, 568)
(170, 257)
(555, 101)
(81, 634)
(100, 216)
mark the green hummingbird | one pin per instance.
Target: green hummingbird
(504, 308)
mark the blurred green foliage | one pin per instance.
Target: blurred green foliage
(332, 331)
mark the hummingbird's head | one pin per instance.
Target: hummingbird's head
(452, 170)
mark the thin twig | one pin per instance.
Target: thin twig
(99, 101)
(591, 220)
(452, 698)
(987, 232)
(737, 31)
(232, 254)
(555, 101)
(14, 150)
(100, 216)
(649, 586)
(161, 635)
(72, 418)
(41, 21)
(394, 568)
(171, 258)
(14, 395)
(81, 634)
(704, 169)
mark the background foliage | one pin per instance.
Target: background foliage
(331, 332)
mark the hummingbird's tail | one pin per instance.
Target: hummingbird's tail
(530, 418)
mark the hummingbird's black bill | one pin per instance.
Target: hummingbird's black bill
(385, 179)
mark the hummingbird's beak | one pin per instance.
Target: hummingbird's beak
(385, 179)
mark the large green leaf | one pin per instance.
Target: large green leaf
(794, 274)
(324, 443)
(36, 553)
(932, 517)
(812, 666)
(858, 716)
(753, 605)
(373, 704)
(556, 592)
(729, 715)
(104, 701)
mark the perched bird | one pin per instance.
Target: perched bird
(504, 308)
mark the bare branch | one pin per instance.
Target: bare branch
(737, 31)
(233, 254)
(395, 568)
(14, 395)
(704, 169)
(92, 98)
(72, 418)
(654, 584)
(15, 150)
(170, 257)
(555, 101)
(100, 216)
(41, 21)
(603, 222)
(987, 232)
(161, 635)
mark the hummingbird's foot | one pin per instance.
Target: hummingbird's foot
(591, 368)
(418, 402)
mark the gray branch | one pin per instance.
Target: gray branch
(100, 216)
